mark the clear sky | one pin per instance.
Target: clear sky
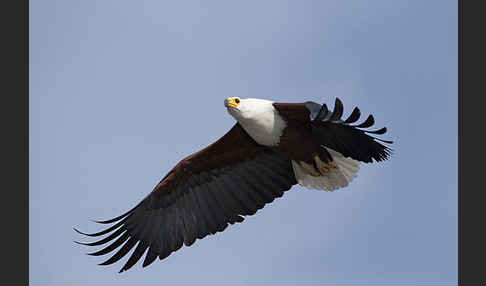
(120, 91)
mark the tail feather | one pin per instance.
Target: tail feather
(338, 176)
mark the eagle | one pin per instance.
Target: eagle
(272, 147)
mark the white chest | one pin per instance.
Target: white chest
(265, 129)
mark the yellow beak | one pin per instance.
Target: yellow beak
(230, 102)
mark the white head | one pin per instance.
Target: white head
(258, 117)
(248, 108)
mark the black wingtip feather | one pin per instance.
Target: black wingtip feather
(322, 113)
(113, 227)
(379, 131)
(121, 252)
(384, 141)
(80, 232)
(104, 240)
(150, 257)
(139, 250)
(338, 110)
(82, 243)
(112, 246)
(367, 123)
(118, 217)
(354, 116)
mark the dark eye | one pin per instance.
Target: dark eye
(237, 100)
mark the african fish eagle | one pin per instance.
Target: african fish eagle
(272, 147)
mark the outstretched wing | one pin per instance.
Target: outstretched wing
(340, 135)
(201, 195)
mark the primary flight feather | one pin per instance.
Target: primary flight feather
(272, 147)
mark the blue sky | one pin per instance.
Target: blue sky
(120, 91)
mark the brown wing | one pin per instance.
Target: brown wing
(201, 195)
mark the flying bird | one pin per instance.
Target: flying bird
(272, 147)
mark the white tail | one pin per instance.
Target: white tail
(338, 175)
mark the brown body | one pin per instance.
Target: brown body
(297, 141)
